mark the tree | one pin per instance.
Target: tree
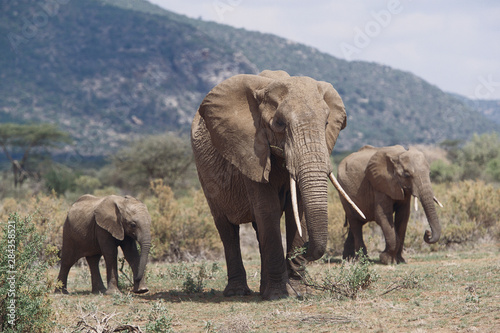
(23, 139)
(165, 157)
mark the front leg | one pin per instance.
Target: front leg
(266, 209)
(401, 222)
(236, 274)
(384, 218)
(109, 249)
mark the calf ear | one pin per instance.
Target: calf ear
(107, 216)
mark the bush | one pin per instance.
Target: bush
(159, 319)
(181, 228)
(443, 172)
(470, 212)
(348, 280)
(24, 283)
(48, 213)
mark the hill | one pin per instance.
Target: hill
(108, 71)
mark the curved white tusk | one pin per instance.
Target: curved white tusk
(437, 201)
(416, 203)
(341, 190)
(293, 193)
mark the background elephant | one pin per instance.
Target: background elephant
(95, 227)
(381, 182)
(254, 138)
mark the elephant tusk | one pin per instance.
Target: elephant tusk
(344, 194)
(293, 193)
(416, 204)
(437, 201)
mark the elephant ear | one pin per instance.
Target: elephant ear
(337, 117)
(381, 172)
(107, 216)
(232, 117)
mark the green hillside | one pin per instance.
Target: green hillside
(108, 71)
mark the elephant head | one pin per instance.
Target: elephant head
(396, 172)
(127, 216)
(251, 117)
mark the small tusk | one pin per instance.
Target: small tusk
(416, 203)
(293, 193)
(341, 190)
(437, 201)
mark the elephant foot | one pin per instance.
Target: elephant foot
(277, 291)
(237, 289)
(111, 291)
(296, 288)
(386, 258)
(400, 260)
(141, 290)
(140, 287)
(61, 291)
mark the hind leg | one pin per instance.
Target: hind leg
(97, 284)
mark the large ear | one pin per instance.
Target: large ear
(107, 216)
(232, 116)
(381, 171)
(337, 117)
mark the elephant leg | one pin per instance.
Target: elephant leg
(236, 274)
(132, 256)
(267, 213)
(68, 259)
(109, 250)
(401, 222)
(97, 284)
(354, 241)
(384, 217)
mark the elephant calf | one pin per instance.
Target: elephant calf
(381, 182)
(95, 227)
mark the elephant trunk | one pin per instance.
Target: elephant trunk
(314, 191)
(427, 200)
(140, 278)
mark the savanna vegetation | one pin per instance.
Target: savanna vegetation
(449, 285)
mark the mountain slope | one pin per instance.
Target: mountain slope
(111, 70)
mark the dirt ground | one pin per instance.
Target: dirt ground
(453, 291)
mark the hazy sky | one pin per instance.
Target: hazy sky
(454, 44)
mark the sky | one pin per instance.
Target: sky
(453, 44)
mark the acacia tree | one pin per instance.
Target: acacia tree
(23, 139)
(166, 156)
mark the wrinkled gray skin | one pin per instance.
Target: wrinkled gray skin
(250, 134)
(95, 227)
(381, 182)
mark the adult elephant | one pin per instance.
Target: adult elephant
(381, 181)
(254, 138)
(95, 227)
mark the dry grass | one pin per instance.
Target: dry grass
(445, 291)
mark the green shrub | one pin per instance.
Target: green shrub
(159, 319)
(348, 280)
(24, 283)
(443, 172)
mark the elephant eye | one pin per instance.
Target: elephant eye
(133, 225)
(406, 174)
(278, 125)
